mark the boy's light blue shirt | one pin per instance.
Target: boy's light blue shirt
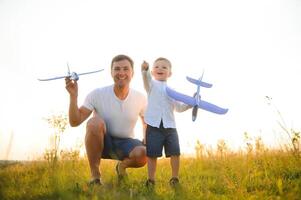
(160, 106)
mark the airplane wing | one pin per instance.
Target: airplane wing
(199, 82)
(90, 72)
(180, 97)
(54, 78)
(212, 108)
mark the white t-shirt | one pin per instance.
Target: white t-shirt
(120, 116)
(160, 105)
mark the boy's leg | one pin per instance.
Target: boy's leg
(151, 167)
(172, 150)
(175, 165)
(154, 147)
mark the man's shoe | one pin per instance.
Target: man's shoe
(94, 182)
(174, 182)
(150, 183)
(121, 176)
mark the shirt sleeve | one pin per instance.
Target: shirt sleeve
(181, 107)
(147, 80)
(89, 101)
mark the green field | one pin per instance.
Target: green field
(268, 174)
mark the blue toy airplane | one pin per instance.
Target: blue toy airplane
(196, 101)
(72, 75)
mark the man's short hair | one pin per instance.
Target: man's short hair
(122, 57)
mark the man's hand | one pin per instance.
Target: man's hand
(144, 66)
(71, 87)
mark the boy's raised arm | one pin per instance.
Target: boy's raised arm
(146, 75)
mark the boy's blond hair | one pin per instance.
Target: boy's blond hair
(164, 59)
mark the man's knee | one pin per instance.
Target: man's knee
(95, 126)
(141, 161)
(139, 155)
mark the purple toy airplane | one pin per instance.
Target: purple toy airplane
(196, 101)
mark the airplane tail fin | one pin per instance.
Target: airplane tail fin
(199, 82)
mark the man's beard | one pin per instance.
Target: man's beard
(121, 84)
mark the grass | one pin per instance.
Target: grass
(265, 175)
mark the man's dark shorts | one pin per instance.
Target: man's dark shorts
(118, 148)
(157, 138)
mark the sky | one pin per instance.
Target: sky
(247, 49)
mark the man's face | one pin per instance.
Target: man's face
(122, 73)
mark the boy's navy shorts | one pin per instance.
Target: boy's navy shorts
(157, 138)
(118, 148)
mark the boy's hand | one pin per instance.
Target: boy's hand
(144, 66)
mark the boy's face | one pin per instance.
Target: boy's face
(161, 70)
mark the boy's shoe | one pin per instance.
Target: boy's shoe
(120, 175)
(174, 182)
(150, 183)
(94, 182)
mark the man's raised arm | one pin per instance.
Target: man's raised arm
(76, 115)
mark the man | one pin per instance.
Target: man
(110, 131)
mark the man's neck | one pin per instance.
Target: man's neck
(121, 92)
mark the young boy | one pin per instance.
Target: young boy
(161, 128)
